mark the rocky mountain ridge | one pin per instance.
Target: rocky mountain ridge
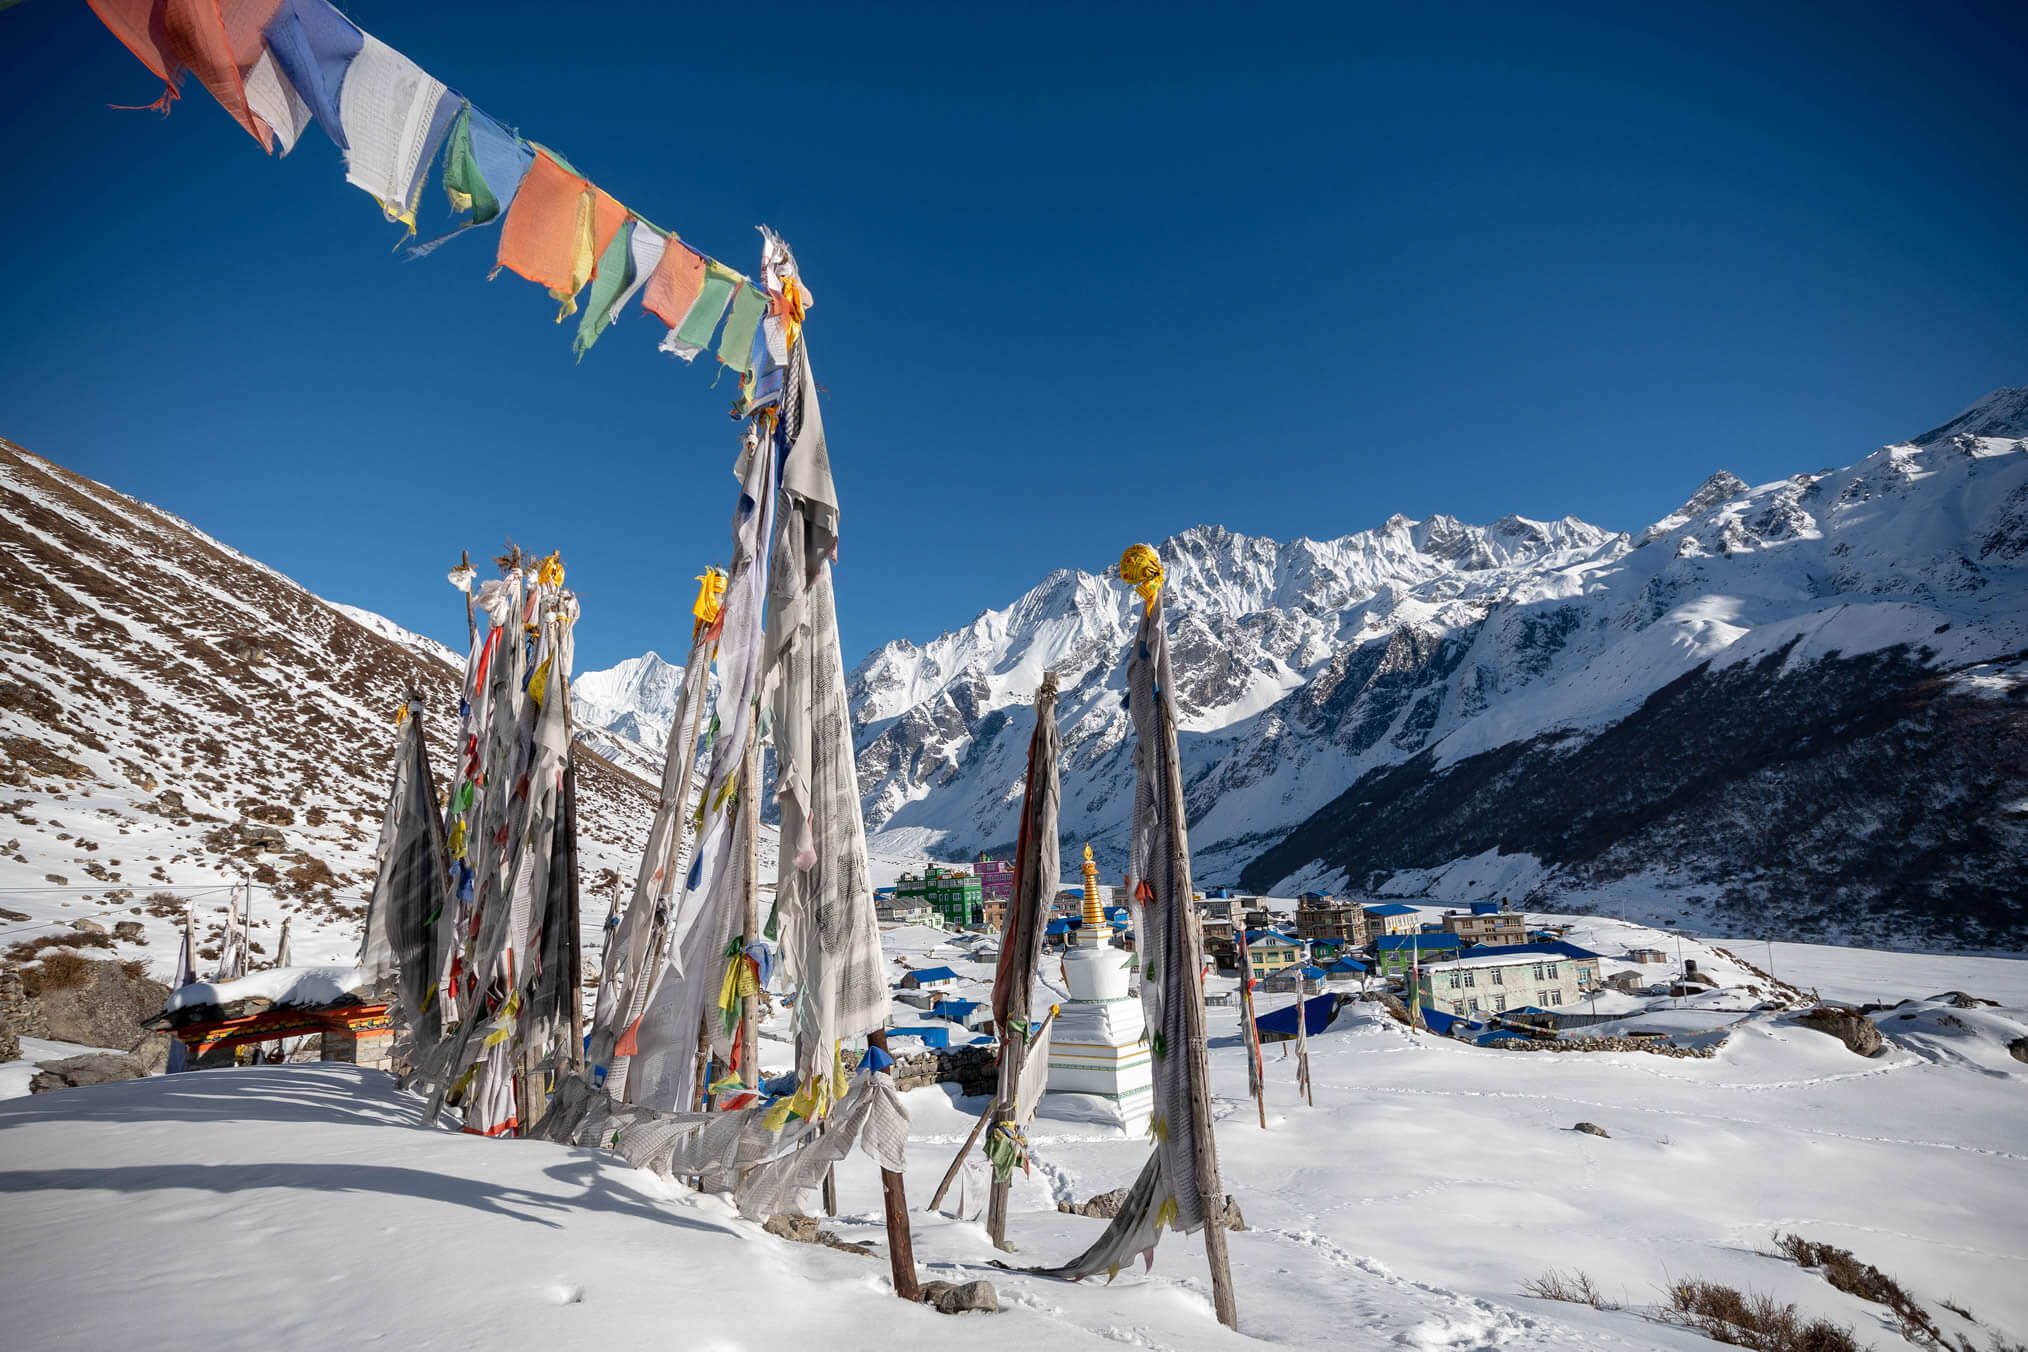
(175, 716)
(1411, 708)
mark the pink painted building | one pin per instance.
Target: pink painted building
(996, 878)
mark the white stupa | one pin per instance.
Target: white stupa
(1100, 1066)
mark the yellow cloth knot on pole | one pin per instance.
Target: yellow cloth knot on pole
(550, 571)
(710, 597)
(401, 714)
(1142, 568)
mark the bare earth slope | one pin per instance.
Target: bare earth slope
(175, 713)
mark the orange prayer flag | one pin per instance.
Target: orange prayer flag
(215, 40)
(544, 237)
(673, 286)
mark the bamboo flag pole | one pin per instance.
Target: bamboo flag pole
(1209, 1190)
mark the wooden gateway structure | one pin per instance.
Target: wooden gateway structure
(213, 1035)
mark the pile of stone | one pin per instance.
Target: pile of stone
(1654, 1046)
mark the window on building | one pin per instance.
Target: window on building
(1538, 971)
(1468, 979)
(1499, 1003)
(1454, 980)
(1552, 971)
(1499, 979)
(1471, 1006)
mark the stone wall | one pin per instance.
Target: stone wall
(971, 1069)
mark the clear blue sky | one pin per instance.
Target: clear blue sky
(1085, 275)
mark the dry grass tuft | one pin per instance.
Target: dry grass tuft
(56, 970)
(1577, 1288)
(1751, 1319)
(30, 950)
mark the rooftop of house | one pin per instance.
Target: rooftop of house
(927, 974)
(1511, 955)
(1392, 908)
(1560, 948)
(1426, 943)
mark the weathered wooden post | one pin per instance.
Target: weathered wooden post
(894, 1195)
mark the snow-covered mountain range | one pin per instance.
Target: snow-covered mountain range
(1805, 700)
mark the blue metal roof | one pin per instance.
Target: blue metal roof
(955, 1010)
(1555, 948)
(1255, 936)
(1056, 927)
(1427, 943)
(923, 974)
(1346, 965)
(931, 1037)
(1485, 908)
(1391, 909)
(1437, 1021)
(1318, 1011)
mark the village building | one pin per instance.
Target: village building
(1646, 955)
(1474, 985)
(1394, 918)
(1585, 961)
(1302, 979)
(996, 878)
(1345, 969)
(1486, 923)
(1319, 916)
(929, 979)
(993, 912)
(953, 893)
(1217, 916)
(1270, 951)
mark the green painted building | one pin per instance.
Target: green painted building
(956, 895)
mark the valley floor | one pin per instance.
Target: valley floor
(294, 1206)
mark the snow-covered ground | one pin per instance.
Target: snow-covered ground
(290, 1206)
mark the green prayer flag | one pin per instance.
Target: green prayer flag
(462, 179)
(719, 281)
(614, 275)
(735, 347)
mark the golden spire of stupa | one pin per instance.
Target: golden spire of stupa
(1094, 915)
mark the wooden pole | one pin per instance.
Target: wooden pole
(1029, 889)
(1210, 1193)
(749, 813)
(1255, 1074)
(957, 1162)
(471, 624)
(978, 1126)
(1013, 1053)
(575, 983)
(894, 1194)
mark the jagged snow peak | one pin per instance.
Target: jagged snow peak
(1302, 666)
(635, 700)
